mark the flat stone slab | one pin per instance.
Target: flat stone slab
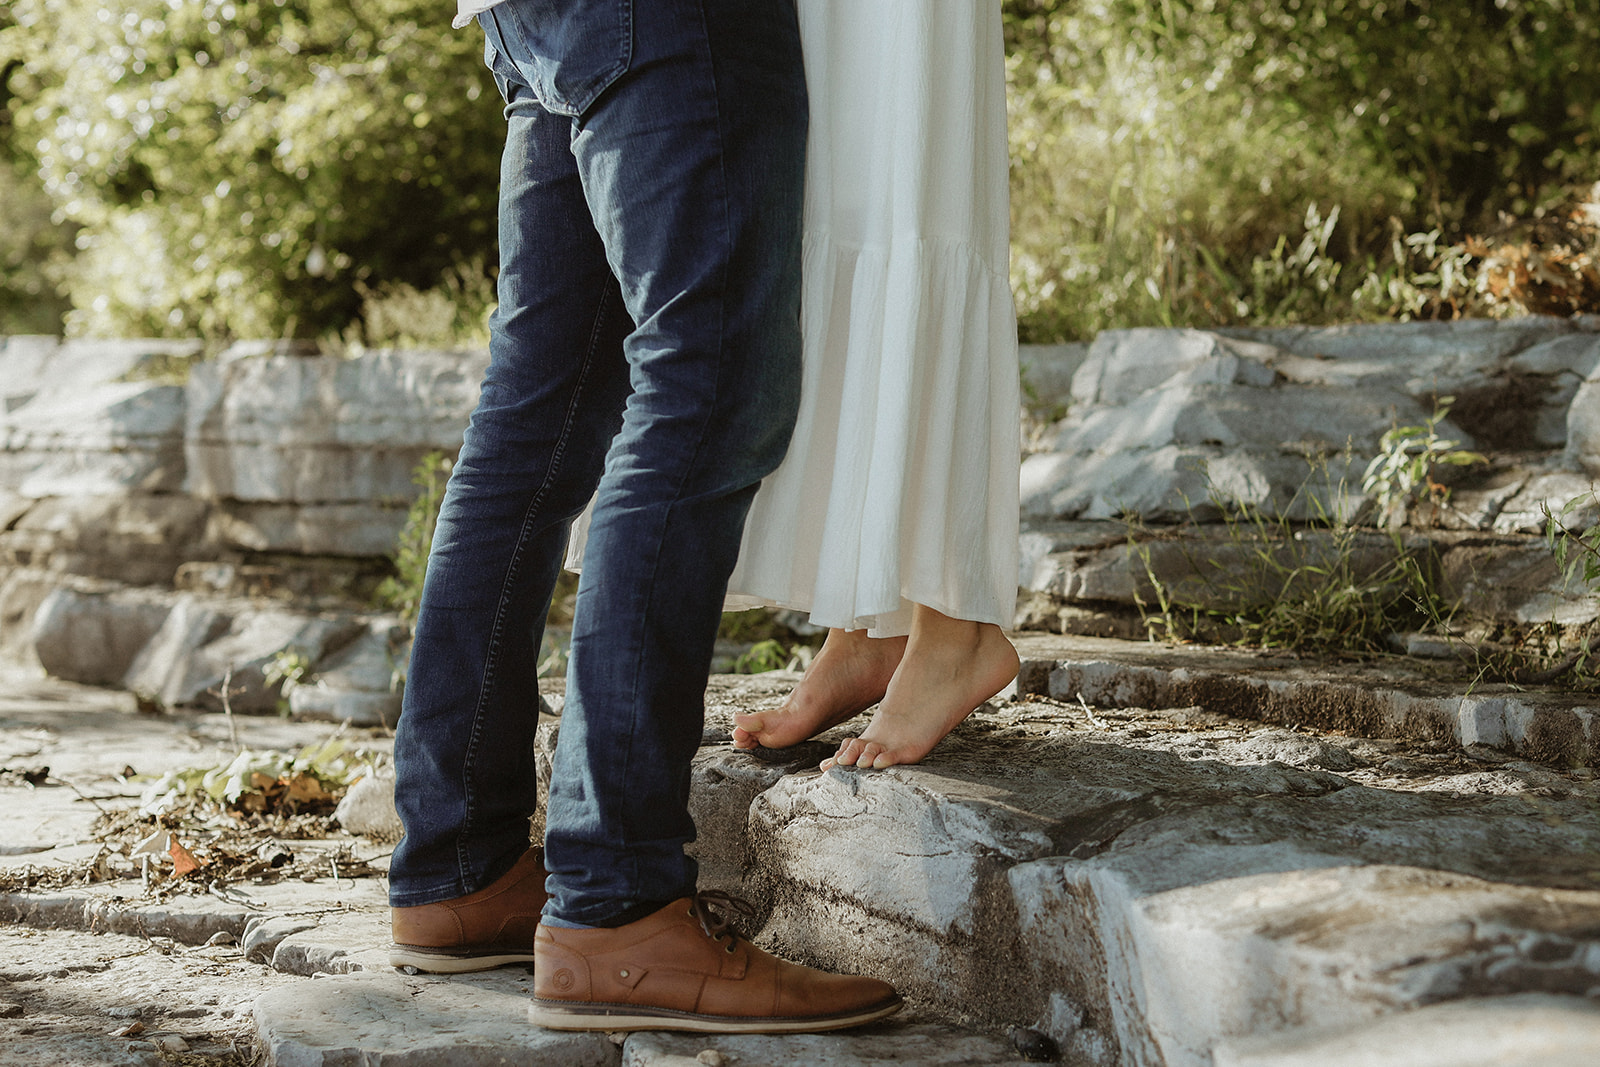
(110, 1000)
(1395, 702)
(1531, 1030)
(1141, 884)
(1073, 868)
(478, 1020)
(879, 1045)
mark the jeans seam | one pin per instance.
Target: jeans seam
(491, 660)
(722, 332)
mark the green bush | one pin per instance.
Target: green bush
(1162, 150)
(240, 167)
(31, 242)
(293, 167)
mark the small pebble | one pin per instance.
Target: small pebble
(1034, 1046)
(123, 1011)
(133, 1029)
(222, 937)
(170, 1043)
(712, 1058)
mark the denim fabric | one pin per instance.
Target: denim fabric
(646, 346)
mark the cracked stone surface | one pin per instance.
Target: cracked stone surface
(477, 1020)
(1527, 1030)
(1157, 886)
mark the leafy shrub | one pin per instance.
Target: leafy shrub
(1405, 464)
(239, 166)
(1161, 151)
(403, 590)
(1324, 585)
(31, 243)
(1545, 265)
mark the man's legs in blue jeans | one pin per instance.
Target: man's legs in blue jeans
(665, 211)
(647, 344)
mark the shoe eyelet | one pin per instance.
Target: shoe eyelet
(730, 948)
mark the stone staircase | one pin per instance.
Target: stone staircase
(1147, 855)
(1117, 864)
(1148, 875)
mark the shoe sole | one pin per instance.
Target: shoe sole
(569, 1015)
(442, 962)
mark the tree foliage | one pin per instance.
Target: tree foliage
(272, 167)
(1163, 148)
(238, 166)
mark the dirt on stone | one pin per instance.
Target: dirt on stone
(70, 997)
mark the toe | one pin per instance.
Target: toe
(849, 749)
(873, 755)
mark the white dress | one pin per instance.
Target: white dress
(901, 482)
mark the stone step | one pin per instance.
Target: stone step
(1121, 882)
(1144, 885)
(1396, 698)
(1103, 578)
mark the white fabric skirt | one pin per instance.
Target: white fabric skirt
(900, 485)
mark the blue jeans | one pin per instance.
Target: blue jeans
(647, 345)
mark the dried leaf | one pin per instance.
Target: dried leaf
(305, 789)
(183, 860)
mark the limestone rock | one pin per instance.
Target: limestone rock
(93, 635)
(1125, 364)
(340, 943)
(368, 807)
(1496, 716)
(882, 1045)
(106, 438)
(281, 429)
(1515, 580)
(1211, 567)
(345, 529)
(32, 365)
(1524, 512)
(133, 537)
(357, 683)
(1422, 359)
(1525, 1030)
(1047, 372)
(200, 641)
(1562, 365)
(1296, 750)
(1353, 942)
(724, 783)
(1583, 425)
(263, 935)
(474, 1020)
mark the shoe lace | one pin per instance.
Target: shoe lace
(717, 911)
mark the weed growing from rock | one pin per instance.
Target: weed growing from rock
(1321, 584)
(403, 590)
(1406, 462)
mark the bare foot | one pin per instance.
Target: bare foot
(847, 677)
(950, 667)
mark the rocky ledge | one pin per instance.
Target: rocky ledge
(1102, 880)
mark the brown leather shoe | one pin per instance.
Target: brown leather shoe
(490, 928)
(683, 969)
